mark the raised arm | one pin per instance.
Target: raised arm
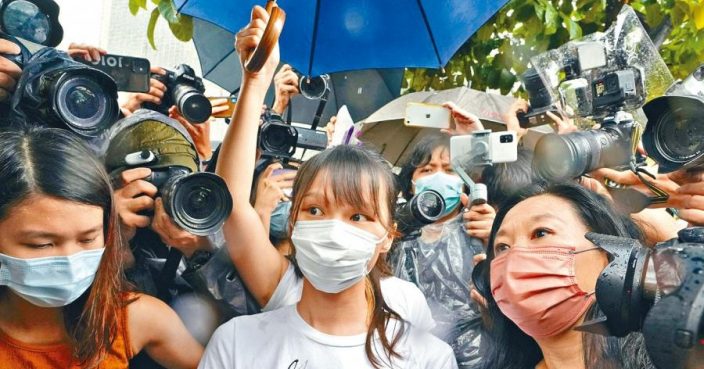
(257, 261)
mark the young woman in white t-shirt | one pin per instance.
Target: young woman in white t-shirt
(341, 219)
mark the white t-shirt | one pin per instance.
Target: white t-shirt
(403, 297)
(281, 339)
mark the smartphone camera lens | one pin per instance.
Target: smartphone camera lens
(506, 138)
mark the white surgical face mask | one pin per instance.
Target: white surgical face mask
(51, 281)
(332, 254)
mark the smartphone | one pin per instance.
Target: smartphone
(231, 103)
(130, 74)
(501, 147)
(428, 116)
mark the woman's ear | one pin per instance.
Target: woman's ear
(389, 240)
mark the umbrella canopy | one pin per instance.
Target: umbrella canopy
(384, 130)
(326, 36)
(363, 91)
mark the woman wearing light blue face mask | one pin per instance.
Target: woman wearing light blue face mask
(63, 299)
(440, 259)
(339, 308)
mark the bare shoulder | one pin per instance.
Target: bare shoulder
(147, 318)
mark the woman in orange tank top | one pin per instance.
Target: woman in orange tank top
(63, 298)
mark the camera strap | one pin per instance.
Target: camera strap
(321, 108)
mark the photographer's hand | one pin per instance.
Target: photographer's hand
(172, 235)
(286, 86)
(562, 125)
(155, 94)
(330, 128)
(134, 197)
(465, 122)
(9, 71)
(87, 52)
(478, 219)
(511, 117)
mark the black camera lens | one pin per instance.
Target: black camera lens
(562, 157)
(674, 136)
(199, 203)
(424, 208)
(277, 139)
(538, 93)
(82, 104)
(194, 106)
(506, 138)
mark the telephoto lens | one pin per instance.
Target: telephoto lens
(559, 158)
(424, 208)
(198, 202)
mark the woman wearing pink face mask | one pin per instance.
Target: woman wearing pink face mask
(541, 279)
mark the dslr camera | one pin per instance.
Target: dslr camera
(280, 140)
(198, 202)
(63, 93)
(33, 20)
(657, 291)
(185, 91)
(602, 86)
(541, 102)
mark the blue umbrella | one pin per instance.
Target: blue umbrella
(363, 91)
(339, 35)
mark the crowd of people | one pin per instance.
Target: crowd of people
(308, 270)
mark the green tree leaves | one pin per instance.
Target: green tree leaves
(181, 25)
(501, 49)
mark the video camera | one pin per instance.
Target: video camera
(603, 77)
(185, 91)
(657, 291)
(280, 140)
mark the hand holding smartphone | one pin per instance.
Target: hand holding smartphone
(428, 116)
(130, 74)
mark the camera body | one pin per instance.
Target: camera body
(185, 91)
(278, 139)
(657, 291)
(198, 202)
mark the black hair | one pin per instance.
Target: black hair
(53, 162)
(420, 156)
(507, 346)
(505, 179)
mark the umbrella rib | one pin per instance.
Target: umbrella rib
(430, 31)
(181, 7)
(315, 36)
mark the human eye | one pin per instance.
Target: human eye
(315, 211)
(359, 218)
(540, 232)
(501, 248)
(40, 245)
(88, 241)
